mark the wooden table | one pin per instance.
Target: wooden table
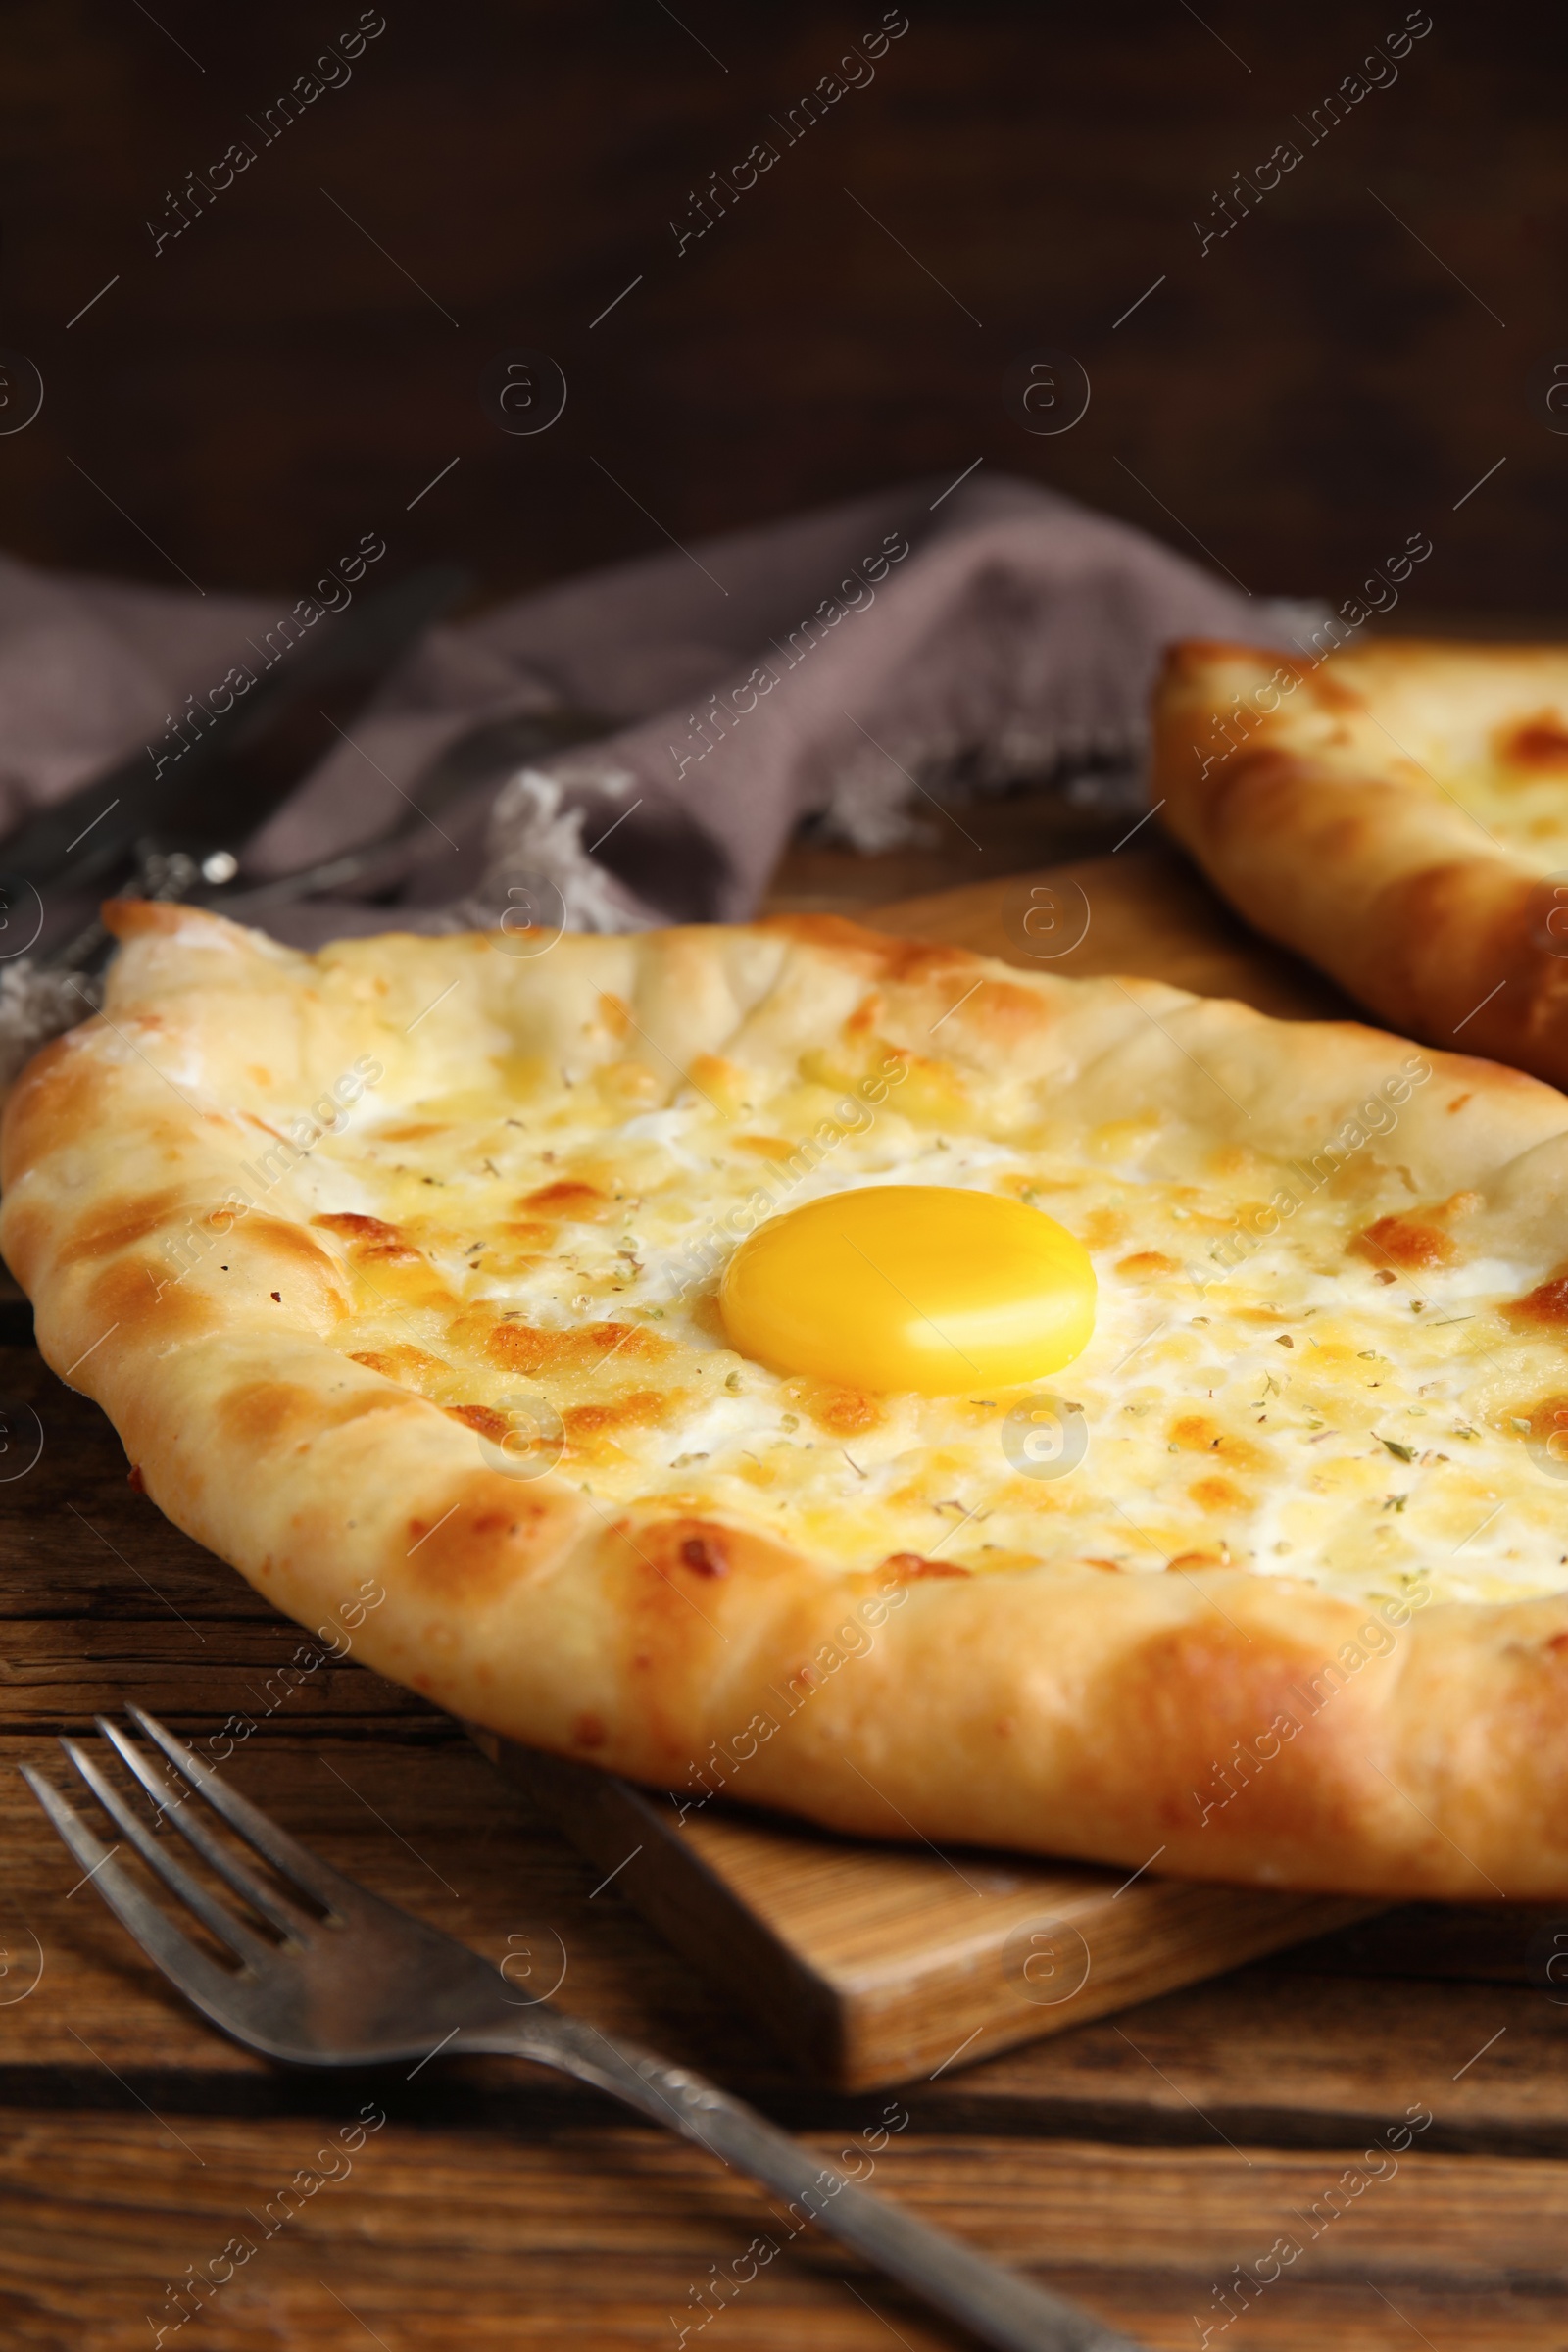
(1134, 2162)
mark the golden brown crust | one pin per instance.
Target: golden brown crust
(1076, 1711)
(1319, 799)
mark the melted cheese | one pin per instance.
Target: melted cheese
(1344, 1398)
(1516, 789)
(1490, 735)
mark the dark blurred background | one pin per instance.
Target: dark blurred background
(292, 368)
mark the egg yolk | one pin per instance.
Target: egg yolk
(906, 1285)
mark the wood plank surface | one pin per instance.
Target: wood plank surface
(1290, 2054)
(1136, 2161)
(439, 2238)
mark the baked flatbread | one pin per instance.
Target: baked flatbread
(1399, 813)
(395, 1268)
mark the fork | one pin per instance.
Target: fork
(357, 1981)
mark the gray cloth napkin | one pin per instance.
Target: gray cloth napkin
(839, 664)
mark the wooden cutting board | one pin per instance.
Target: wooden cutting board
(1145, 908)
(876, 1964)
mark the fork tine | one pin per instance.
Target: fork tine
(293, 1861)
(171, 1806)
(154, 1853)
(165, 1946)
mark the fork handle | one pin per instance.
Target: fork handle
(996, 2305)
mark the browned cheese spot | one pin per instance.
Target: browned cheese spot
(522, 1347)
(639, 1408)
(1195, 1433)
(710, 1073)
(1217, 1495)
(570, 1196)
(843, 1412)
(767, 1147)
(1538, 743)
(1406, 1242)
(1549, 1427)
(1547, 1306)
